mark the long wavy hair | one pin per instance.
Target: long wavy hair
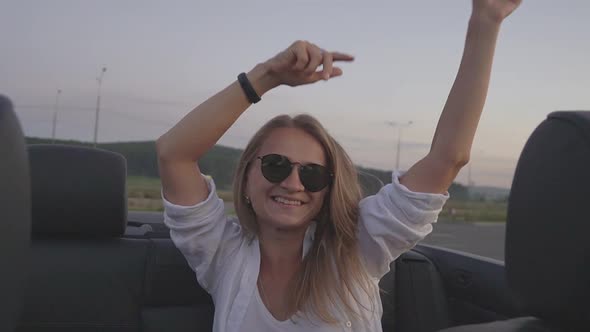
(332, 276)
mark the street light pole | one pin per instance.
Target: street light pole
(399, 138)
(55, 110)
(99, 79)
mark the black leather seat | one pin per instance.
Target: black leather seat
(547, 247)
(15, 215)
(85, 275)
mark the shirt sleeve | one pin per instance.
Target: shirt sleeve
(393, 221)
(204, 235)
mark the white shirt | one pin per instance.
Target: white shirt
(259, 319)
(226, 264)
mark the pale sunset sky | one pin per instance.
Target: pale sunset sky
(165, 57)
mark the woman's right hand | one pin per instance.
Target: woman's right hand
(298, 64)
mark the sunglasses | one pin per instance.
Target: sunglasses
(276, 168)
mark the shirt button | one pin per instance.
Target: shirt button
(348, 324)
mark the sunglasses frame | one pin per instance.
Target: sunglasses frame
(300, 166)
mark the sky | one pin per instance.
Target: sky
(163, 58)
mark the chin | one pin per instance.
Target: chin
(287, 223)
(284, 218)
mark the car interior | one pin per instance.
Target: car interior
(74, 262)
(15, 223)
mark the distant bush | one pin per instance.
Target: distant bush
(219, 162)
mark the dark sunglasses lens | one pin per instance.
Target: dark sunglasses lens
(314, 177)
(275, 168)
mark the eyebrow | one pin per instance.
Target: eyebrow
(293, 161)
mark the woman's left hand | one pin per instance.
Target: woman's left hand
(494, 11)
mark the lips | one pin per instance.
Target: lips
(287, 201)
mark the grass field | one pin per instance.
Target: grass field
(474, 211)
(145, 187)
(144, 195)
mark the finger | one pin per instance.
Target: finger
(327, 65)
(319, 76)
(516, 3)
(301, 56)
(336, 71)
(337, 56)
(315, 58)
(313, 77)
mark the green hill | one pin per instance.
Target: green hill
(220, 162)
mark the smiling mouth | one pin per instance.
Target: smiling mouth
(285, 201)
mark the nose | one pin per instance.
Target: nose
(293, 182)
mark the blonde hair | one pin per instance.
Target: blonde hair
(332, 272)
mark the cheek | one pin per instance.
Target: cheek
(250, 188)
(319, 202)
(256, 188)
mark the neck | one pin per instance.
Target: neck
(280, 251)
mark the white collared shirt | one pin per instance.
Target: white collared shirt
(227, 264)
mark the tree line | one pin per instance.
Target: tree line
(220, 163)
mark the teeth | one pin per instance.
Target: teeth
(286, 201)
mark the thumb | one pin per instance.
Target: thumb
(319, 75)
(336, 71)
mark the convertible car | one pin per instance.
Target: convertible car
(73, 261)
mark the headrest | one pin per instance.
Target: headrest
(15, 214)
(548, 228)
(78, 191)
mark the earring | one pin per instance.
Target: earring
(247, 200)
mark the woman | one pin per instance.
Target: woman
(306, 253)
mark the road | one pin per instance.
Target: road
(484, 239)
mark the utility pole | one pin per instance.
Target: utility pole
(99, 79)
(55, 110)
(400, 126)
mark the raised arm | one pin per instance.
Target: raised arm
(456, 128)
(179, 149)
